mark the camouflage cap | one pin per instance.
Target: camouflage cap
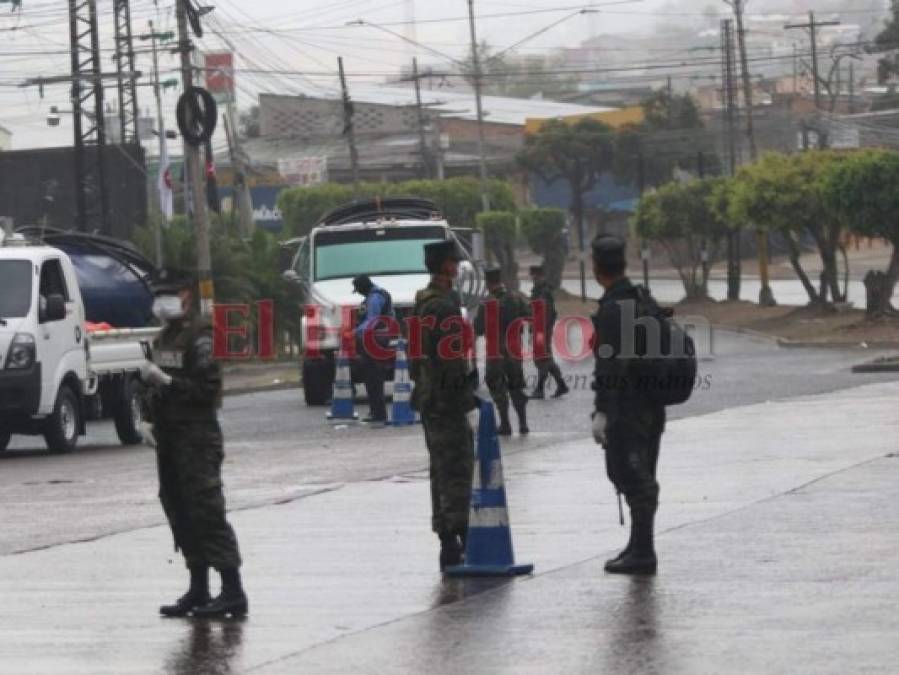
(439, 252)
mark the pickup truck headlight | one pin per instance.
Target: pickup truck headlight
(21, 352)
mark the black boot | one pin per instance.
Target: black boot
(505, 428)
(561, 388)
(197, 595)
(521, 409)
(627, 549)
(450, 550)
(641, 558)
(540, 390)
(232, 601)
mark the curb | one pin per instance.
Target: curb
(891, 366)
(791, 344)
(282, 386)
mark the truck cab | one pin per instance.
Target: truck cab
(384, 239)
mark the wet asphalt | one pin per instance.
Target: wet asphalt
(341, 567)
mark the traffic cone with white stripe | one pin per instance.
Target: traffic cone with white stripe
(488, 547)
(402, 413)
(342, 400)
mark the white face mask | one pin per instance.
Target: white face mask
(168, 308)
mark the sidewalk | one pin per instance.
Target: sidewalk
(254, 376)
(777, 543)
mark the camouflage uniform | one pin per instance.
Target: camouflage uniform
(189, 446)
(443, 395)
(543, 354)
(505, 369)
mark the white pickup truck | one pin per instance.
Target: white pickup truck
(384, 239)
(54, 374)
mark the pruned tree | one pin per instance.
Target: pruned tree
(684, 219)
(862, 190)
(785, 194)
(544, 230)
(499, 232)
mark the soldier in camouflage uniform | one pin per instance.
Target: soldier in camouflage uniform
(505, 367)
(543, 336)
(184, 393)
(444, 395)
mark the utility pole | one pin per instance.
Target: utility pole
(163, 141)
(422, 134)
(196, 173)
(476, 64)
(851, 88)
(641, 187)
(766, 296)
(348, 128)
(812, 26)
(734, 253)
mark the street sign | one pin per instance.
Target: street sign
(219, 67)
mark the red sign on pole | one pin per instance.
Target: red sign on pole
(220, 75)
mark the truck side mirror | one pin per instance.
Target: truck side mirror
(294, 279)
(55, 309)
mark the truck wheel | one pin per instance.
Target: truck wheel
(61, 430)
(318, 381)
(128, 416)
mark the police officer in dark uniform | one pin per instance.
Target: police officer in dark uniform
(444, 395)
(505, 367)
(377, 305)
(626, 421)
(184, 393)
(546, 364)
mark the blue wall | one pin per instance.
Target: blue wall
(609, 195)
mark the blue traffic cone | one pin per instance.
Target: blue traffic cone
(342, 400)
(488, 549)
(402, 413)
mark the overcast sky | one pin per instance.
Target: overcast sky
(308, 35)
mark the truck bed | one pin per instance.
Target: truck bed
(119, 350)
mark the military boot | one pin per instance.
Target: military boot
(505, 428)
(197, 595)
(450, 550)
(539, 392)
(641, 558)
(627, 549)
(521, 409)
(561, 388)
(232, 601)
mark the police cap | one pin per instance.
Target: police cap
(439, 252)
(494, 275)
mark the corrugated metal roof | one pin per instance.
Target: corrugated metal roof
(461, 105)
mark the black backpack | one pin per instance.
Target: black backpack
(668, 378)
